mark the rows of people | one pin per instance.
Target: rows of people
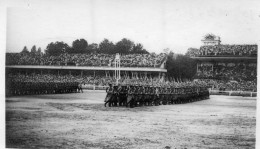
(35, 88)
(85, 80)
(224, 50)
(230, 71)
(145, 95)
(39, 81)
(22, 84)
(231, 85)
(130, 60)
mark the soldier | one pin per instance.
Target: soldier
(109, 91)
(80, 87)
(157, 96)
(160, 95)
(138, 95)
(122, 95)
(146, 95)
(130, 96)
(167, 96)
(115, 95)
(152, 95)
(142, 94)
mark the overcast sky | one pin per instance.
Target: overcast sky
(157, 24)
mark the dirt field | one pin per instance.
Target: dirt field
(81, 121)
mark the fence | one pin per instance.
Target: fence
(233, 93)
(94, 87)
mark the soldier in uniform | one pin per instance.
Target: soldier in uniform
(142, 95)
(122, 95)
(80, 87)
(146, 96)
(138, 95)
(164, 99)
(115, 97)
(152, 95)
(130, 96)
(109, 91)
(157, 96)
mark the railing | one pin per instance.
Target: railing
(94, 87)
(233, 93)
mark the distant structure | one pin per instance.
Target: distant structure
(211, 40)
(225, 62)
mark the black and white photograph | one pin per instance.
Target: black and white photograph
(139, 74)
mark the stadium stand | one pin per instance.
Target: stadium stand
(229, 67)
(93, 69)
(129, 60)
(224, 51)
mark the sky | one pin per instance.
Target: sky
(156, 24)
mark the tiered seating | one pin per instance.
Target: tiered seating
(229, 71)
(233, 85)
(130, 60)
(224, 50)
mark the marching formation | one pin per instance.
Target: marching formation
(32, 88)
(139, 95)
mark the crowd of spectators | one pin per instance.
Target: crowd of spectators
(205, 70)
(229, 76)
(130, 60)
(90, 80)
(141, 60)
(229, 71)
(223, 50)
(229, 85)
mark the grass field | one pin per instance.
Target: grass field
(80, 120)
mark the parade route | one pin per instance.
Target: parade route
(80, 120)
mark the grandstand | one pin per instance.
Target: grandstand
(222, 66)
(95, 70)
(229, 67)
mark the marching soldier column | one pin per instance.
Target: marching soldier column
(136, 95)
(151, 95)
(15, 88)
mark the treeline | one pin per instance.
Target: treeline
(33, 51)
(80, 46)
(180, 66)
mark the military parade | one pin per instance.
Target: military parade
(34, 88)
(118, 74)
(145, 95)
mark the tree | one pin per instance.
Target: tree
(92, 48)
(166, 51)
(79, 46)
(180, 66)
(25, 50)
(39, 51)
(56, 48)
(106, 46)
(138, 48)
(124, 46)
(33, 50)
(191, 52)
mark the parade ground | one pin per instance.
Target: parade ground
(80, 120)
